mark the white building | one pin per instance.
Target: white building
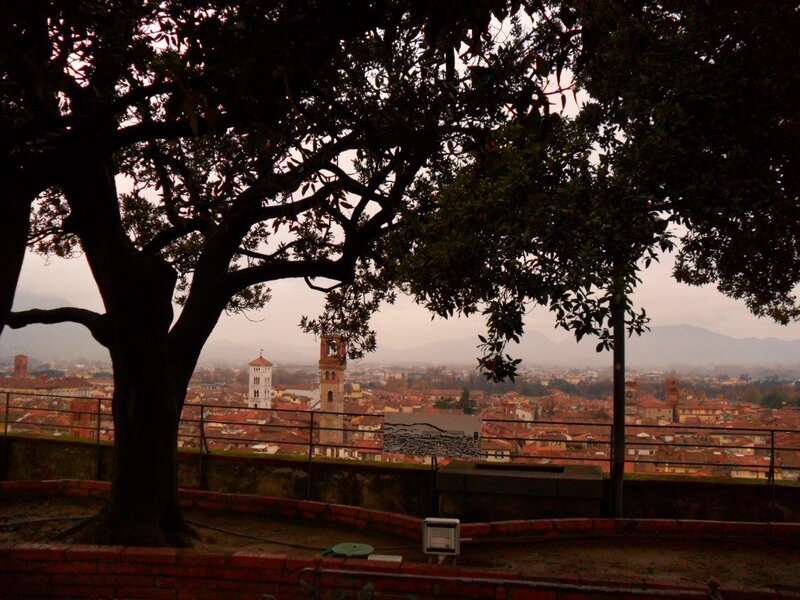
(259, 383)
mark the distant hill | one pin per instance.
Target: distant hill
(687, 345)
(49, 342)
(237, 354)
(674, 345)
(460, 351)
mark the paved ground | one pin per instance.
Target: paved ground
(741, 563)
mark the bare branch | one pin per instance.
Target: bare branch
(291, 179)
(281, 250)
(337, 270)
(322, 289)
(166, 236)
(164, 181)
(94, 322)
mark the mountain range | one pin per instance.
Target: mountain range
(674, 345)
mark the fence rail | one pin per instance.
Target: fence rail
(767, 454)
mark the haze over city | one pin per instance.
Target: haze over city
(404, 327)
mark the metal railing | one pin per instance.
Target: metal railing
(660, 450)
(767, 454)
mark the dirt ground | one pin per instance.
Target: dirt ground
(739, 563)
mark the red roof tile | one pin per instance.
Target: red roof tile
(260, 362)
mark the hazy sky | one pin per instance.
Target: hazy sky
(407, 325)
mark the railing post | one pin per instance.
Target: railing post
(4, 472)
(310, 453)
(202, 444)
(98, 448)
(618, 438)
(771, 474)
(434, 508)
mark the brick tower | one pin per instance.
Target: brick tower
(20, 366)
(332, 364)
(671, 395)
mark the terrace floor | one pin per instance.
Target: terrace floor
(743, 563)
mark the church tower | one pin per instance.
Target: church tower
(259, 383)
(332, 364)
(671, 394)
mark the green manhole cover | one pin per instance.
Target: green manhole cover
(351, 550)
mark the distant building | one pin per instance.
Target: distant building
(671, 391)
(654, 410)
(332, 365)
(259, 383)
(83, 418)
(20, 366)
(631, 395)
(48, 386)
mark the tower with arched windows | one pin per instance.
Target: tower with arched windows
(332, 365)
(259, 383)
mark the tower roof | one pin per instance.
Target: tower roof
(260, 362)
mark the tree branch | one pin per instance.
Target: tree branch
(320, 288)
(337, 270)
(94, 322)
(166, 236)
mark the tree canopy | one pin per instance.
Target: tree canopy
(685, 140)
(195, 152)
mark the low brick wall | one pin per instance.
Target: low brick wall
(404, 490)
(351, 516)
(53, 570)
(59, 571)
(372, 485)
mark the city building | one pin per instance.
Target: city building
(259, 383)
(20, 366)
(332, 365)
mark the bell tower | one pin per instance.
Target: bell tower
(259, 383)
(332, 365)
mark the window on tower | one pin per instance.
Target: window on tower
(330, 396)
(255, 393)
(256, 380)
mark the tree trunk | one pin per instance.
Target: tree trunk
(618, 422)
(143, 508)
(15, 209)
(149, 383)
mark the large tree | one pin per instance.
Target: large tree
(687, 140)
(194, 152)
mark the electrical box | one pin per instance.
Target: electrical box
(441, 536)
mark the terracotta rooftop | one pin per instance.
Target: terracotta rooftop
(260, 362)
(44, 383)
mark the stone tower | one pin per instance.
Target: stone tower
(259, 383)
(20, 366)
(671, 394)
(332, 364)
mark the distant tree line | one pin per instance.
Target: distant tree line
(439, 377)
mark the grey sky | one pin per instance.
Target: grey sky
(405, 324)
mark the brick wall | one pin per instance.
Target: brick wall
(52, 570)
(59, 571)
(404, 490)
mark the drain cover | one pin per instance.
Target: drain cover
(352, 550)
